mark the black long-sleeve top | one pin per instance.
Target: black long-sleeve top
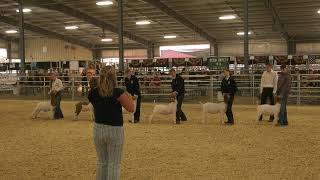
(132, 85)
(229, 85)
(107, 110)
(177, 85)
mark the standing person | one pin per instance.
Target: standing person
(56, 91)
(108, 133)
(229, 88)
(133, 87)
(268, 87)
(284, 87)
(178, 91)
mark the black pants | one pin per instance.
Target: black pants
(57, 110)
(137, 113)
(229, 108)
(267, 93)
(180, 116)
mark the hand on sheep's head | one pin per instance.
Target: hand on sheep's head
(173, 94)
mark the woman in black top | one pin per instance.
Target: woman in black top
(108, 133)
(229, 88)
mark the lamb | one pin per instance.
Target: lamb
(83, 107)
(42, 107)
(124, 111)
(169, 109)
(213, 108)
(268, 110)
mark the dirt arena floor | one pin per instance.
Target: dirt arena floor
(48, 149)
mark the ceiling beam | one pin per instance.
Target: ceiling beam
(276, 18)
(181, 19)
(115, 46)
(9, 39)
(55, 6)
(39, 30)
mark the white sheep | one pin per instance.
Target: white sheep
(42, 107)
(124, 111)
(83, 107)
(269, 110)
(169, 109)
(214, 108)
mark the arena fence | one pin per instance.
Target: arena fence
(305, 87)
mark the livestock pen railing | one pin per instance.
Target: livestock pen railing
(305, 87)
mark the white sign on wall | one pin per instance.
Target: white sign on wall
(74, 65)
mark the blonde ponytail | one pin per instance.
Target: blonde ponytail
(107, 81)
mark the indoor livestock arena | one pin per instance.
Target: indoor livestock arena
(159, 89)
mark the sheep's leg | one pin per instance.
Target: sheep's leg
(174, 118)
(258, 116)
(221, 117)
(34, 113)
(204, 116)
(151, 117)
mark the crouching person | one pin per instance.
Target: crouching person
(56, 91)
(108, 133)
(284, 87)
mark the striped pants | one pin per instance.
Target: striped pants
(109, 142)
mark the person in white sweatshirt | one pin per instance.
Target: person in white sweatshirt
(268, 87)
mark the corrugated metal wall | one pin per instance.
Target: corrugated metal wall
(131, 53)
(308, 48)
(255, 48)
(45, 49)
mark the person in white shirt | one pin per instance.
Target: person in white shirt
(56, 89)
(268, 87)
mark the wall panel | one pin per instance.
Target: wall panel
(45, 49)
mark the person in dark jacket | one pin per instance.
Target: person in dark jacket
(108, 132)
(284, 87)
(133, 87)
(178, 92)
(229, 88)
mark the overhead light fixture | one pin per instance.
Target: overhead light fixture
(24, 10)
(104, 3)
(11, 31)
(143, 22)
(170, 36)
(227, 17)
(319, 11)
(106, 40)
(71, 27)
(242, 33)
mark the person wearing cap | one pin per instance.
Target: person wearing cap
(178, 92)
(284, 87)
(268, 87)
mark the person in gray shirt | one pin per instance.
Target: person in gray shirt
(284, 87)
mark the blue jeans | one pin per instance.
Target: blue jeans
(283, 117)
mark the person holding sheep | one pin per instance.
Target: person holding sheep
(133, 87)
(56, 89)
(284, 87)
(268, 87)
(229, 88)
(178, 91)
